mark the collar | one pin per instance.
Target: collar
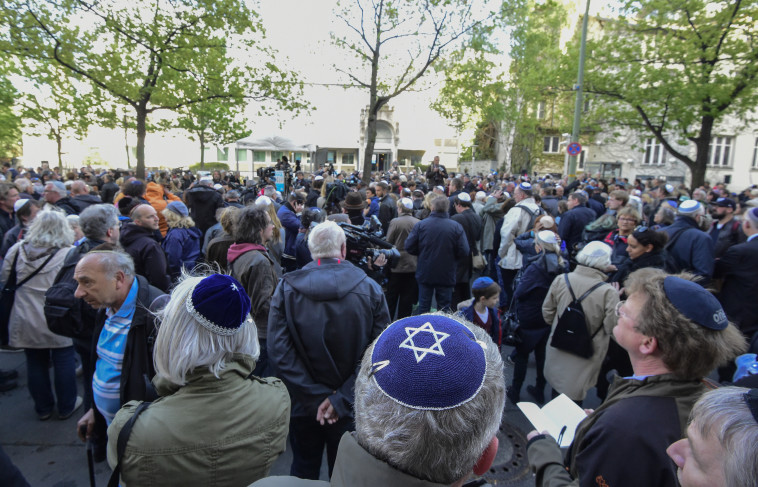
(751, 237)
(128, 305)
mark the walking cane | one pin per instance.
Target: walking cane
(90, 458)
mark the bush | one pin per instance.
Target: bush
(209, 166)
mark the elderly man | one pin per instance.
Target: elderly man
(689, 248)
(81, 199)
(438, 242)
(518, 220)
(120, 347)
(56, 195)
(472, 226)
(719, 448)
(140, 239)
(214, 424)
(675, 333)
(321, 320)
(429, 401)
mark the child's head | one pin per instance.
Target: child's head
(484, 288)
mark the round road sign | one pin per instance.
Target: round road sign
(574, 149)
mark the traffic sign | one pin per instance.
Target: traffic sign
(574, 149)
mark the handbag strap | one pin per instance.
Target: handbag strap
(27, 278)
(581, 298)
(123, 439)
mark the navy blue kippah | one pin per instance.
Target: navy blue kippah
(429, 362)
(695, 303)
(482, 282)
(220, 304)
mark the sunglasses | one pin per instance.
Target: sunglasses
(640, 229)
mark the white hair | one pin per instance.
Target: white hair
(183, 344)
(724, 414)
(50, 229)
(326, 240)
(440, 446)
(596, 255)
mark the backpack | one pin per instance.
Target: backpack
(532, 215)
(66, 314)
(571, 334)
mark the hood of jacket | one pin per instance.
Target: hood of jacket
(202, 193)
(88, 198)
(325, 279)
(131, 233)
(237, 249)
(153, 191)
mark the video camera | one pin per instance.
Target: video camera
(364, 243)
(266, 174)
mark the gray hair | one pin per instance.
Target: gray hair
(440, 446)
(58, 187)
(50, 229)
(596, 255)
(326, 240)
(22, 184)
(440, 204)
(579, 197)
(183, 344)
(724, 413)
(96, 220)
(114, 261)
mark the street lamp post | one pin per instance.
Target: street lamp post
(579, 91)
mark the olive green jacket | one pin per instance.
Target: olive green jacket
(212, 431)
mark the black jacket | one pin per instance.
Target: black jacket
(66, 204)
(656, 260)
(108, 191)
(739, 268)
(203, 202)
(148, 256)
(137, 369)
(439, 242)
(321, 319)
(387, 211)
(533, 287)
(572, 225)
(84, 201)
(472, 226)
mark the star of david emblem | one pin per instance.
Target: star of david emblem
(421, 352)
(234, 286)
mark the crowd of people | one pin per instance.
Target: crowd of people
(213, 319)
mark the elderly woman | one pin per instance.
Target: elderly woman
(32, 265)
(183, 239)
(627, 218)
(675, 333)
(723, 426)
(566, 372)
(528, 297)
(214, 423)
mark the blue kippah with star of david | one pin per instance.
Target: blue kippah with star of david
(429, 362)
(219, 303)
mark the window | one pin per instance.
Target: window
(276, 155)
(654, 152)
(541, 111)
(297, 157)
(550, 144)
(719, 151)
(755, 154)
(259, 156)
(330, 156)
(222, 154)
(348, 159)
(241, 155)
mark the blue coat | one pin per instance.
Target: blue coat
(182, 248)
(291, 224)
(572, 225)
(533, 288)
(692, 252)
(439, 242)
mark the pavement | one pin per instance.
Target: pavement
(48, 453)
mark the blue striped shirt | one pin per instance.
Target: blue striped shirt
(106, 382)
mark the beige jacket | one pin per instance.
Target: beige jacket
(27, 324)
(568, 373)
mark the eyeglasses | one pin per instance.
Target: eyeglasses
(622, 219)
(619, 314)
(640, 229)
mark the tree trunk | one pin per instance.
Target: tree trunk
(59, 143)
(702, 145)
(141, 110)
(202, 151)
(370, 143)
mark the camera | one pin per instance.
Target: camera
(363, 244)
